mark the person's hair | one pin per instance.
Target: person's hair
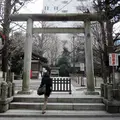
(48, 70)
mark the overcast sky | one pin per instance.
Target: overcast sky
(34, 7)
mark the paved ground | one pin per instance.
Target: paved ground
(76, 83)
(60, 118)
(81, 81)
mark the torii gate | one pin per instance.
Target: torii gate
(86, 17)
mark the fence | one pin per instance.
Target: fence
(61, 84)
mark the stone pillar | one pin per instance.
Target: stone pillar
(119, 92)
(9, 89)
(4, 92)
(6, 96)
(12, 77)
(105, 91)
(109, 92)
(27, 59)
(5, 78)
(89, 60)
(102, 90)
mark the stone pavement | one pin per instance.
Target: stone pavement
(58, 118)
(34, 83)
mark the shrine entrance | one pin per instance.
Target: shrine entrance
(30, 18)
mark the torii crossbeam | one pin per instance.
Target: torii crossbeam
(57, 17)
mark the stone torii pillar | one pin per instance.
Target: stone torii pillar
(89, 60)
(27, 58)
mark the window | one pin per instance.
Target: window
(56, 8)
(46, 8)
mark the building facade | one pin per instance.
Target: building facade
(66, 6)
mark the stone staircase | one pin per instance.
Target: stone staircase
(61, 103)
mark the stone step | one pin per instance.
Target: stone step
(58, 99)
(56, 113)
(58, 106)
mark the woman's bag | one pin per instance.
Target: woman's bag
(41, 90)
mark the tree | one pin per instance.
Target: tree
(16, 52)
(77, 51)
(16, 44)
(47, 44)
(17, 64)
(97, 48)
(10, 7)
(110, 10)
(52, 49)
(64, 63)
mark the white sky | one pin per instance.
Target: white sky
(35, 7)
(116, 27)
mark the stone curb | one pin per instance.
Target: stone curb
(80, 114)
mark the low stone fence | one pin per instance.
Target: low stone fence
(111, 97)
(6, 94)
(61, 84)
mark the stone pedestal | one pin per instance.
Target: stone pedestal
(25, 92)
(5, 95)
(4, 104)
(91, 93)
(109, 92)
(102, 90)
(112, 106)
(3, 107)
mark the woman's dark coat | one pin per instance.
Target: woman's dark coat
(46, 80)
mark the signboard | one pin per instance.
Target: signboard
(113, 59)
(82, 66)
(54, 73)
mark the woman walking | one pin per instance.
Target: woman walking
(47, 81)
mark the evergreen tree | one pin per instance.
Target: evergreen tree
(64, 63)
